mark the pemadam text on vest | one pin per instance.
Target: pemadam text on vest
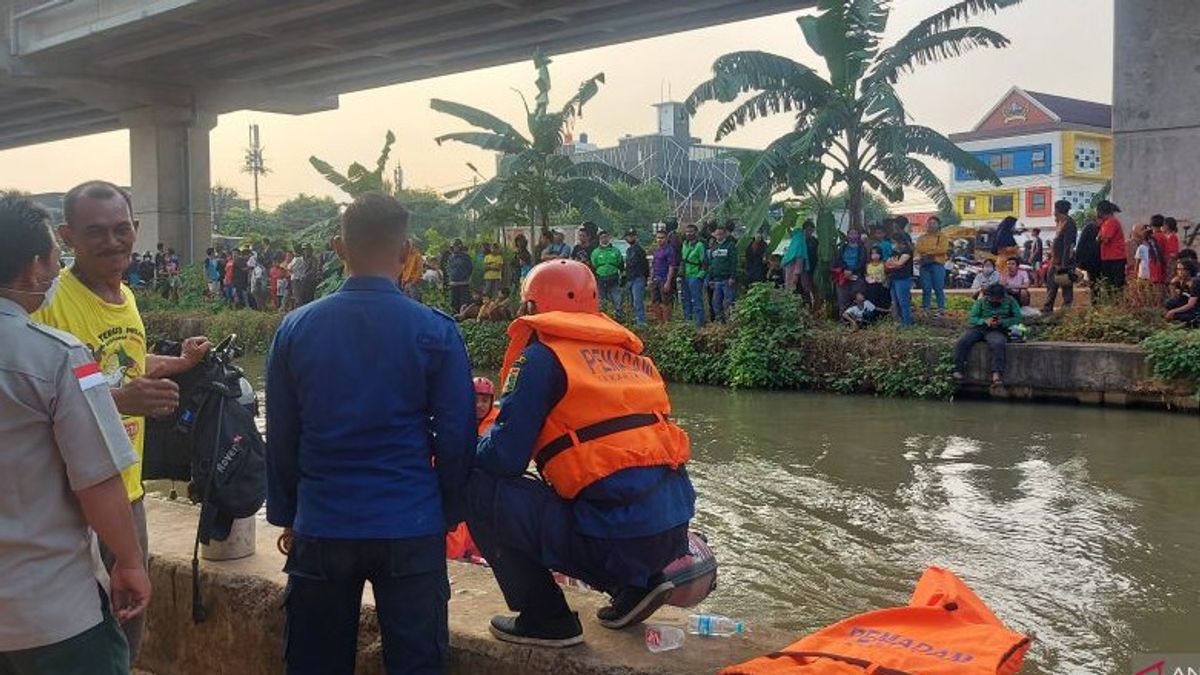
(872, 636)
(602, 361)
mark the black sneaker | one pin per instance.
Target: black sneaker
(633, 605)
(558, 633)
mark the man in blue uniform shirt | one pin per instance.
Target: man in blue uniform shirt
(370, 426)
(615, 505)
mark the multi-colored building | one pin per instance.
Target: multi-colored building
(1043, 148)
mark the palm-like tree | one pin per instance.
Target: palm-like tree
(851, 127)
(534, 177)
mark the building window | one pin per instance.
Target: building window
(1038, 159)
(994, 161)
(1006, 162)
(1087, 156)
(968, 205)
(1001, 203)
(1037, 201)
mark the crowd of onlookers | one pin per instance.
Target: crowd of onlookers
(255, 276)
(702, 268)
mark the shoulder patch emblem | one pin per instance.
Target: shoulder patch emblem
(510, 382)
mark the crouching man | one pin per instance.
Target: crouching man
(613, 503)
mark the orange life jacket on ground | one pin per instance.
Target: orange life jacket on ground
(459, 544)
(945, 630)
(615, 412)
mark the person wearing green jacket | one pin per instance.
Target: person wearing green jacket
(991, 320)
(795, 261)
(722, 271)
(609, 264)
(695, 258)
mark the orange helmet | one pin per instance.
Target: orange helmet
(561, 286)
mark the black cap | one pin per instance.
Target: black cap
(631, 232)
(996, 291)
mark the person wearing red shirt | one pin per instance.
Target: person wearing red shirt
(1171, 250)
(1160, 264)
(1112, 245)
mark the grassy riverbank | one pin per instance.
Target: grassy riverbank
(773, 343)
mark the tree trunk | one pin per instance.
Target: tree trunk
(854, 203)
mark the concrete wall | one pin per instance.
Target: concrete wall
(244, 631)
(1083, 373)
(1156, 116)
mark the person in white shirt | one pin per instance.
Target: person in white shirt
(860, 313)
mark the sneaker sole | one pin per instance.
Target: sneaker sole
(534, 641)
(650, 604)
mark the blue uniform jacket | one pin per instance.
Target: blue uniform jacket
(365, 389)
(637, 502)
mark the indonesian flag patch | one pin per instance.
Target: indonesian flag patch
(89, 375)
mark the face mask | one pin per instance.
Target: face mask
(47, 295)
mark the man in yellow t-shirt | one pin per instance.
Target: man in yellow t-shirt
(493, 270)
(92, 304)
(933, 250)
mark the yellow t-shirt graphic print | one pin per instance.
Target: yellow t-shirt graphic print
(117, 339)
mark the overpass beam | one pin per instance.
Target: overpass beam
(1155, 117)
(169, 166)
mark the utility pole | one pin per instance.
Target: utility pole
(254, 163)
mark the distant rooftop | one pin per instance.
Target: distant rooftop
(1076, 111)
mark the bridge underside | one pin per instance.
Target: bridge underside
(165, 69)
(76, 66)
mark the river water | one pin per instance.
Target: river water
(1076, 524)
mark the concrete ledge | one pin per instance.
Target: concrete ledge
(1097, 374)
(244, 631)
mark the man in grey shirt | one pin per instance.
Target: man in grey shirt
(62, 448)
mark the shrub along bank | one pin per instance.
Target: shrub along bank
(773, 343)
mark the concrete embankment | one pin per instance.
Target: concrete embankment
(243, 634)
(1086, 373)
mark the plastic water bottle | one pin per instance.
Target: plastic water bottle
(714, 625)
(661, 638)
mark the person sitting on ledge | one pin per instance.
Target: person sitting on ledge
(1016, 281)
(991, 319)
(1184, 294)
(985, 278)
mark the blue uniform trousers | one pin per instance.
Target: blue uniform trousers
(324, 597)
(524, 530)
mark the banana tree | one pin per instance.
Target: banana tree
(534, 176)
(356, 180)
(359, 179)
(852, 121)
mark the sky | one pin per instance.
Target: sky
(1063, 47)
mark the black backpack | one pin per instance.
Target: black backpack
(212, 441)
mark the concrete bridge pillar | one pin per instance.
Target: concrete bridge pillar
(1156, 119)
(169, 165)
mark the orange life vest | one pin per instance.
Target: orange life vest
(615, 414)
(488, 420)
(945, 630)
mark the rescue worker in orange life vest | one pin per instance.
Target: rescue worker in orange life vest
(613, 506)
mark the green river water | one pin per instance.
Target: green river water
(1076, 524)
